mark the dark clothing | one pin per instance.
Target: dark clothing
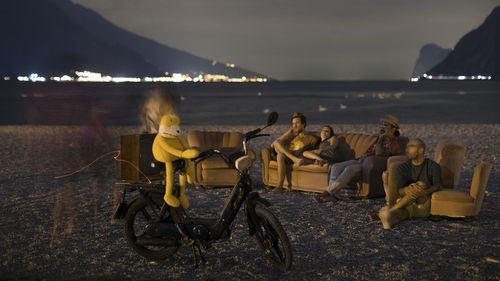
(328, 153)
(428, 172)
(384, 146)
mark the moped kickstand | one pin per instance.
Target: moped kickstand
(202, 258)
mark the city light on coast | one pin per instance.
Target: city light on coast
(89, 76)
(425, 76)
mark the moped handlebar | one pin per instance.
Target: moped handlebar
(203, 155)
(256, 136)
(246, 137)
(252, 133)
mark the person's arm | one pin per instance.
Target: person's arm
(334, 142)
(310, 142)
(285, 138)
(382, 147)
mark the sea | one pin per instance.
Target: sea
(323, 102)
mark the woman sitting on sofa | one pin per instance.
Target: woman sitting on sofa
(328, 149)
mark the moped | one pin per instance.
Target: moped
(156, 230)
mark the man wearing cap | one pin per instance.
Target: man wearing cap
(289, 148)
(386, 144)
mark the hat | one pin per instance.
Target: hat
(298, 115)
(391, 119)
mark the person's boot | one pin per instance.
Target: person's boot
(325, 197)
(277, 190)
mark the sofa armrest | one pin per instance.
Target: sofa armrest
(373, 166)
(265, 155)
(374, 163)
(391, 192)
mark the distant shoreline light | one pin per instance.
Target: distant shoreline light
(425, 76)
(89, 76)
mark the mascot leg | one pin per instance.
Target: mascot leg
(169, 186)
(190, 172)
(182, 197)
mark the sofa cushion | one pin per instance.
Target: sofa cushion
(214, 162)
(314, 168)
(216, 140)
(452, 195)
(309, 168)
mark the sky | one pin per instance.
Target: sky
(302, 40)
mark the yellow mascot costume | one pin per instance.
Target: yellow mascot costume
(169, 146)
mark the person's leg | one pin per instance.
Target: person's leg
(338, 168)
(311, 155)
(392, 193)
(280, 159)
(391, 218)
(408, 199)
(280, 149)
(348, 173)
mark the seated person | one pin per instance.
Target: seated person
(327, 151)
(417, 179)
(289, 148)
(386, 144)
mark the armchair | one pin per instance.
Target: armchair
(448, 154)
(214, 171)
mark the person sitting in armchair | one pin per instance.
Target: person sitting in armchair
(328, 149)
(386, 144)
(417, 179)
(289, 148)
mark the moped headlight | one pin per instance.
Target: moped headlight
(243, 163)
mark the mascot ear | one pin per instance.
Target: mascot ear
(164, 120)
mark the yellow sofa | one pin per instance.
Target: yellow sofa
(314, 178)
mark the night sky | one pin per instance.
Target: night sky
(302, 40)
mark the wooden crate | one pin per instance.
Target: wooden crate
(138, 150)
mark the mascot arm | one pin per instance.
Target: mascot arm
(166, 147)
(188, 152)
(183, 142)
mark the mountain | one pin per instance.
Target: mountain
(165, 58)
(430, 56)
(478, 52)
(59, 37)
(41, 38)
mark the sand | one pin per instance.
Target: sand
(60, 229)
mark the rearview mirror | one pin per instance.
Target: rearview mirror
(271, 119)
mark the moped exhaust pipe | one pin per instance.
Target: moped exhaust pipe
(144, 241)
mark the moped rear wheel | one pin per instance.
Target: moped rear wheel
(272, 239)
(139, 215)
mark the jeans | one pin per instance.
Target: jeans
(342, 173)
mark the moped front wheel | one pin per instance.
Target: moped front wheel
(273, 239)
(138, 216)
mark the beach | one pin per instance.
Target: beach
(61, 229)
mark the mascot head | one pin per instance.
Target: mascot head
(169, 126)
